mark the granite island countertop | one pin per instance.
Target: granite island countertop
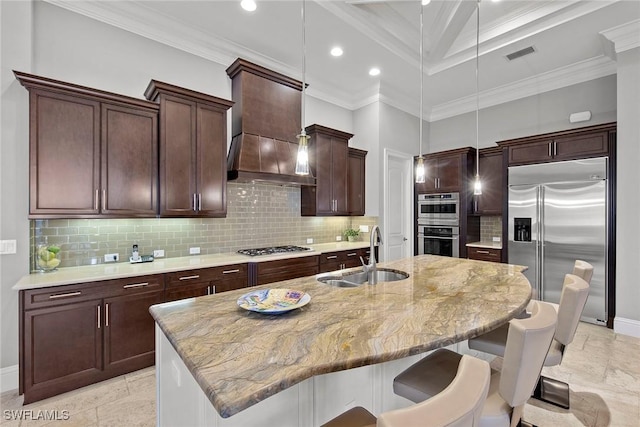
(240, 358)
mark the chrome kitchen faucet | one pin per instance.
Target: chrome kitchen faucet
(371, 268)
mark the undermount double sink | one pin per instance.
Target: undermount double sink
(357, 278)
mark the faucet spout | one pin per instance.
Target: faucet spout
(370, 268)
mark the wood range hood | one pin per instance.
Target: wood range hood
(265, 121)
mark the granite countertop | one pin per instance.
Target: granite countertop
(92, 273)
(485, 244)
(240, 358)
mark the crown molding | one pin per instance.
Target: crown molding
(625, 36)
(580, 72)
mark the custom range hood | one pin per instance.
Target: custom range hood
(265, 122)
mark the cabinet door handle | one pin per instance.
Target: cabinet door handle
(199, 201)
(482, 252)
(104, 199)
(352, 254)
(68, 294)
(193, 202)
(231, 271)
(195, 276)
(95, 201)
(550, 150)
(136, 285)
(332, 257)
(106, 315)
(98, 317)
(555, 148)
(208, 290)
(213, 289)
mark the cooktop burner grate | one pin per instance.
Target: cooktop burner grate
(272, 250)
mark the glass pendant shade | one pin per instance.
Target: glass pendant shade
(477, 186)
(302, 160)
(420, 172)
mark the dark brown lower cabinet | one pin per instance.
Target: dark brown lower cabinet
(284, 269)
(339, 260)
(75, 335)
(484, 254)
(205, 281)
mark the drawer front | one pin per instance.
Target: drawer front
(340, 256)
(234, 272)
(274, 271)
(484, 254)
(66, 294)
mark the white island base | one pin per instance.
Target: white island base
(181, 401)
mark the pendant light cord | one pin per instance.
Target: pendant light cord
(421, 71)
(477, 90)
(304, 67)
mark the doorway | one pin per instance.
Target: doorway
(398, 205)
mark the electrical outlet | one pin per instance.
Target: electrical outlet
(194, 251)
(111, 257)
(496, 239)
(309, 241)
(338, 238)
(364, 228)
(158, 253)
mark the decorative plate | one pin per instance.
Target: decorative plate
(273, 301)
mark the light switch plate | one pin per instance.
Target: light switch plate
(8, 247)
(309, 241)
(194, 251)
(496, 239)
(364, 228)
(158, 253)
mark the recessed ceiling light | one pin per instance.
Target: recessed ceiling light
(374, 71)
(337, 51)
(426, 2)
(248, 5)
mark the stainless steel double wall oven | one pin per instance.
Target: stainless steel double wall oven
(439, 224)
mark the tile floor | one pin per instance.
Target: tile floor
(603, 369)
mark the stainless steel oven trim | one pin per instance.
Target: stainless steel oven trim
(455, 246)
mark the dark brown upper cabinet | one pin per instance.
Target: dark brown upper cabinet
(328, 161)
(445, 171)
(193, 151)
(356, 182)
(492, 176)
(92, 154)
(572, 144)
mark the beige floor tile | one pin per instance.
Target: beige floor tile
(136, 410)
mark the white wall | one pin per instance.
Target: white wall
(547, 112)
(15, 51)
(327, 114)
(366, 122)
(628, 225)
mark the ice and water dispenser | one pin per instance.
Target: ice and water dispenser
(522, 229)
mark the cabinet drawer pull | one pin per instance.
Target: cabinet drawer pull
(332, 257)
(106, 315)
(352, 254)
(231, 271)
(95, 203)
(482, 252)
(69, 294)
(136, 285)
(195, 276)
(98, 317)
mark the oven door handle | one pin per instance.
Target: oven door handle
(438, 237)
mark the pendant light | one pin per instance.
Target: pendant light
(420, 169)
(302, 160)
(477, 184)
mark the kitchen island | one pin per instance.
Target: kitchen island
(218, 364)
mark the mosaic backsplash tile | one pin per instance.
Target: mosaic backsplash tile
(257, 215)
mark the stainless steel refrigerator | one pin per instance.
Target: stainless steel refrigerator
(557, 214)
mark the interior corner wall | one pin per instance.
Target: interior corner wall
(628, 193)
(15, 54)
(546, 112)
(366, 130)
(327, 114)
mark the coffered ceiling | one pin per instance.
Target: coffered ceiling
(566, 36)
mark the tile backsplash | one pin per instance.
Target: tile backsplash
(490, 226)
(257, 215)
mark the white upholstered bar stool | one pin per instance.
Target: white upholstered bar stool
(527, 344)
(458, 405)
(575, 291)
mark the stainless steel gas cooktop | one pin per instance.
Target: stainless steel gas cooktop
(272, 250)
